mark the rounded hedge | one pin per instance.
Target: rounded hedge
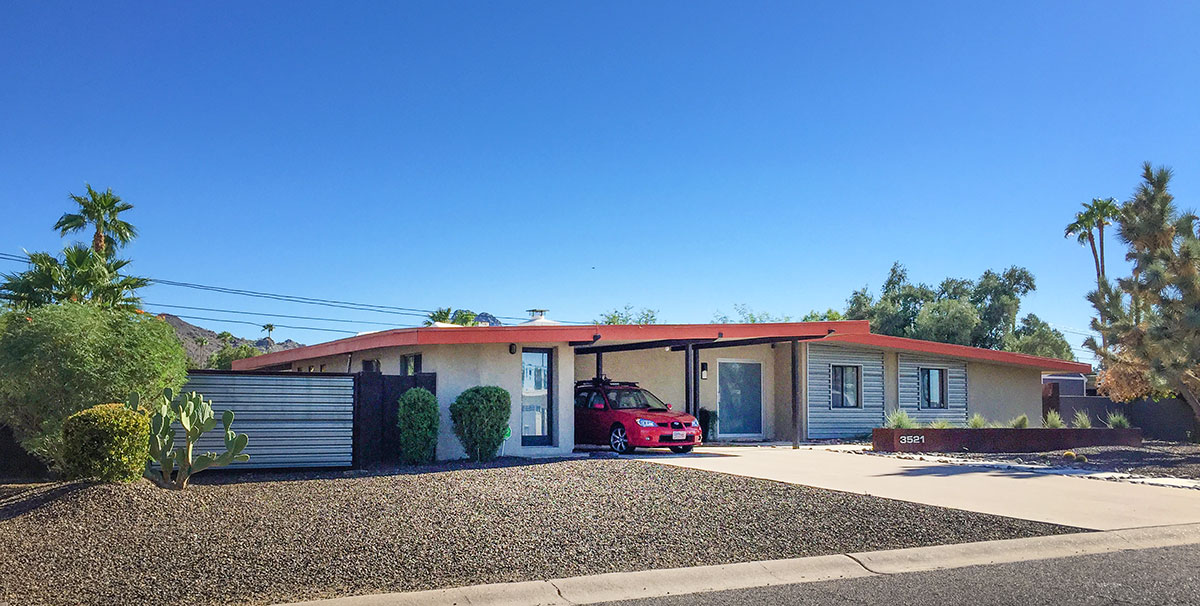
(417, 419)
(107, 442)
(57, 360)
(480, 417)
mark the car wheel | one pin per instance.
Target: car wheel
(681, 449)
(619, 440)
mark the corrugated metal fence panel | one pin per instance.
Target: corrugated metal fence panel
(910, 389)
(292, 421)
(824, 421)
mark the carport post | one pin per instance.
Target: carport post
(688, 391)
(599, 365)
(795, 393)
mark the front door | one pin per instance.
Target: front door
(739, 399)
(537, 396)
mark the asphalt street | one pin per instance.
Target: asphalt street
(1163, 576)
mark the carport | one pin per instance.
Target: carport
(694, 370)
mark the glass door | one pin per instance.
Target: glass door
(739, 399)
(537, 396)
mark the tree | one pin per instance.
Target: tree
(946, 321)
(269, 328)
(828, 315)
(1037, 338)
(995, 299)
(627, 315)
(223, 358)
(225, 337)
(81, 275)
(100, 212)
(448, 315)
(56, 360)
(201, 341)
(1151, 319)
(1088, 227)
(748, 316)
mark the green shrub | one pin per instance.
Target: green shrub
(940, 424)
(223, 358)
(1080, 459)
(57, 360)
(708, 423)
(1117, 420)
(1081, 420)
(899, 419)
(977, 422)
(1019, 422)
(480, 417)
(417, 418)
(1069, 455)
(1053, 420)
(107, 442)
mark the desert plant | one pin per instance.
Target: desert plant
(1069, 455)
(939, 424)
(708, 423)
(107, 442)
(977, 421)
(1053, 420)
(1081, 420)
(1080, 459)
(417, 419)
(480, 417)
(195, 415)
(899, 419)
(1019, 422)
(57, 360)
(1117, 420)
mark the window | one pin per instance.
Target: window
(537, 396)
(322, 368)
(370, 366)
(581, 399)
(933, 388)
(410, 364)
(634, 398)
(847, 386)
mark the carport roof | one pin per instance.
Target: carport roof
(551, 334)
(855, 332)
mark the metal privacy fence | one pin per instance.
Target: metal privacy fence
(293, 419)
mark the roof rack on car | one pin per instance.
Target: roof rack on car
(604, 381)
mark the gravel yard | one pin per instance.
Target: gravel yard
(1155, 459)
(269, 538)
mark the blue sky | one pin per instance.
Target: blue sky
(584, 156)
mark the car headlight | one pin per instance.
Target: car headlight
(695, 422)
(646, 423)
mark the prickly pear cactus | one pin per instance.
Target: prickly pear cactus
(195, 415)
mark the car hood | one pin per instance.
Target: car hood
(659, 416)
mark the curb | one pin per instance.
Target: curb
(644, 584)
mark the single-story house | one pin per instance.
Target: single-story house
(771, 381)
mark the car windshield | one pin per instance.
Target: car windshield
(634, 398)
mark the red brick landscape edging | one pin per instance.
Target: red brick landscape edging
(999, 440)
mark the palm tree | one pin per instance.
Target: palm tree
(1084, 230)
(447, 315)
(1104, 211)
(81, 275)
(225, 337)
(201, 341)
(269, 328)
(100, 211)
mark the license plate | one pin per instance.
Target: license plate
(679, 435)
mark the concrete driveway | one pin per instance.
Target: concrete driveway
(1083, 503)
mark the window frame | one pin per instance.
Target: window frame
(416, 364)
(944, 387)
(859, 386)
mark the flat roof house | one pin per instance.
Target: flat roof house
(805, 380)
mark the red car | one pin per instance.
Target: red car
(627, 417)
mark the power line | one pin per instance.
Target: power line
(351, 332)
(271, 315)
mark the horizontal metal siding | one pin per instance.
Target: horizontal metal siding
(825, 421)
(300, 421)
(910, 389)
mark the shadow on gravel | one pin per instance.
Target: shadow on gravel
(250, 476)
(24, 501)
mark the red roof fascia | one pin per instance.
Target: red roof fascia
(960, 351)
(550, 334)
